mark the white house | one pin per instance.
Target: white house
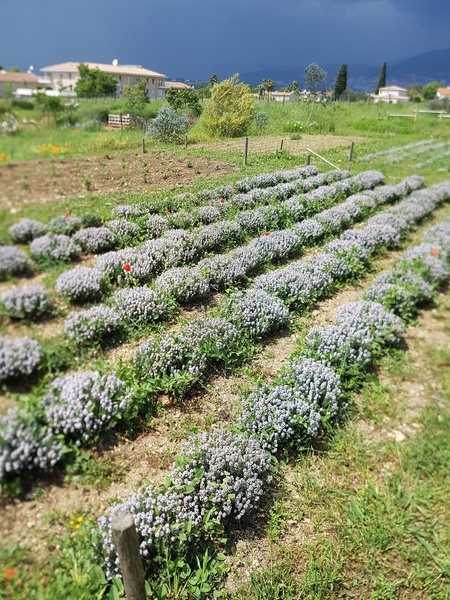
(392, 94)
(64, 76)
(282, 96)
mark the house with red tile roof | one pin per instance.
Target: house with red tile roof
(64, 76)
(443, 93)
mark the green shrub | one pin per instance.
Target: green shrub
(231, 109)
(168, 126)
(23, 104)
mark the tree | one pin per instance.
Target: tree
(267, 85)
(231, 109)
(50, 105)
(213, 80)
(429, 90)
(341, 82)
(382, 78)
(184, 98)
(293, 87)
(415, 93)
(314, 77)
(93, 83)
(136, 98)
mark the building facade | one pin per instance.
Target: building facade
(64, 76)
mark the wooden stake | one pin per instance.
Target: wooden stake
(324, 159)
(127, 546)
(245, 150)
(350, 155)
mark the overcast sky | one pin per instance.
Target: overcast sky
(193, 39)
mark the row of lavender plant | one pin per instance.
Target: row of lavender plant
(77, 408)
(60, 246)
(222, 475)
(139, 306)
(127, 234)
(129, 266)
(91, 236)
(174, 361)
(399, 149)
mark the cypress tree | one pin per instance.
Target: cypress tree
(382, 79)
(341, 82)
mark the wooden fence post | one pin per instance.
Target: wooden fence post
(350, 154)
(308, 160)
(143, 145)
(281, 145)
(127, 546)
(245, 150)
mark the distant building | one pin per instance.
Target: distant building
(283, 96)
(177, 85)
(64, 76)
(443, 93)
(392, 94)
(11, 81)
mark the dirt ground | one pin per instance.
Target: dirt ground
(48, 180)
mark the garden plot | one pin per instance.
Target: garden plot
(258, 311)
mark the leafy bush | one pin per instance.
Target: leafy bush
(168, 126)
(231, 109)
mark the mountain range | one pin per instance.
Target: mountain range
(420, 69)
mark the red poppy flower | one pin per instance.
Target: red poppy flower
(66, 214)
(234, 188)
(171, 401)
(435, 252)
(9, 573)
(222, 200)
(127, 267)
(266, 233)
(167, 211)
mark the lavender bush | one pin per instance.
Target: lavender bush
(13, 261)
(289, 412)
(54, 247)
(19, 357)
(26, 444)
(65, 225)
(29, 302)
(256, 312)
(184, 284)
(81, 284)
(140, 305)
(96, 240)
(221, 472)
(98, 324)
(26, 230)
(82, 405)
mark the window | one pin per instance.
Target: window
(153, 82)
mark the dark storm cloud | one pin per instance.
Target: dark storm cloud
(200, 37)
